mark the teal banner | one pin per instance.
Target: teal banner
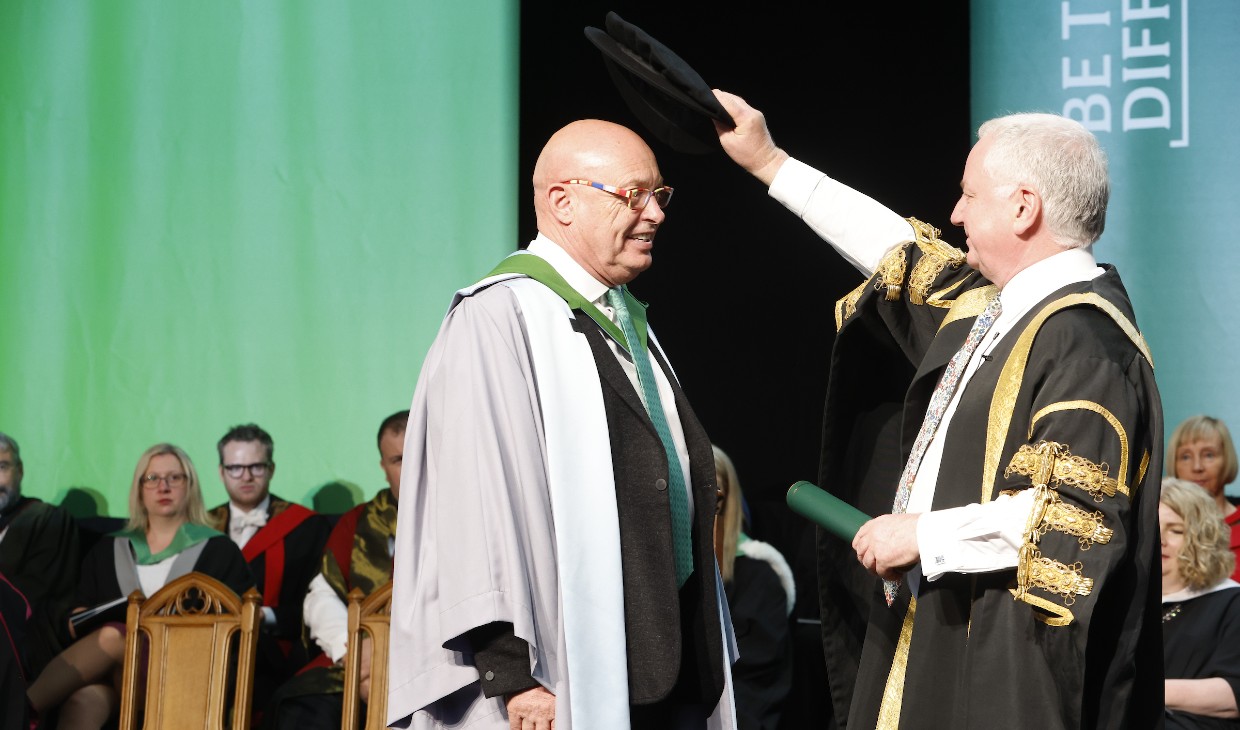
(213, 213)
(1156, 80)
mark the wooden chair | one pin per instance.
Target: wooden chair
(367, 615)
(184, 663)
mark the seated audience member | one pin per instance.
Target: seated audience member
(358, 555)
(39, 555)
(1201, 611)
(282, 543)
(761, 594)
(166, 537)
(1201, 451)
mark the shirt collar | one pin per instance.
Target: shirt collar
(1040, 280)
(574, 274)
(1188, 594)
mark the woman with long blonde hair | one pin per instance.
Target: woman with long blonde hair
(166, 537)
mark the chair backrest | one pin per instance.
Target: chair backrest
(367, 615)
(179, 653)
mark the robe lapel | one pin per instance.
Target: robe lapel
(610, 372)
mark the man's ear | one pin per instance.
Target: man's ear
(561, 203)
(1028, 212)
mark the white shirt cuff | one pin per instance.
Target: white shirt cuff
(975, 538)
(327, 618)
(269, 616)
(860, 228)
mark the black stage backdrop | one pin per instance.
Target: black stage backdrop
(742, 293)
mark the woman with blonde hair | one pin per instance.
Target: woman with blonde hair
(761, 593)
(1201, 611)
(166, 537)
(1201, 451)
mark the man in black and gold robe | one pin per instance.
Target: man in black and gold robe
(1015, 485)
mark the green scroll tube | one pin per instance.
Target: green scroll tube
(829, 512)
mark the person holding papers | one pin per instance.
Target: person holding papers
(166, 537)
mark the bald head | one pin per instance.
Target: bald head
(598, 229)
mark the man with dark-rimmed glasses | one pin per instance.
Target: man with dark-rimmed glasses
(281, 542)
(546, 394)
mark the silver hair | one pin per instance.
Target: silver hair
(8, 442)
(1062, 161)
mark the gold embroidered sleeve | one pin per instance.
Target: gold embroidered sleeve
(1049, 466)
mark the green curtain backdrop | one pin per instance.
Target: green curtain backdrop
(250, 210)
(1156, 81)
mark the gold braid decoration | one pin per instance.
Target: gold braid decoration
(1035, 570)
(1047, 461)
(1086, 527)
(847, 307)
(890, 273)
(935, 256)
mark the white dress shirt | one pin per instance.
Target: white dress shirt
(244, 524)
(242, 527)
(977, 537)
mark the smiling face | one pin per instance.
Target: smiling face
(1201, 461)
(597, 228)
(985, 211)
(168, 496)
(1171, 528)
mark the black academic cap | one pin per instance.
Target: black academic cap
(665, 93)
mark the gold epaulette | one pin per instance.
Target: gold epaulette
(935, 256)
(888, 276)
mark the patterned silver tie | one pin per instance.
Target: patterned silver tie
(939, 400)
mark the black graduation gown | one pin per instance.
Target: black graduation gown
(1200, 640)
(971, 655)
(220, 559)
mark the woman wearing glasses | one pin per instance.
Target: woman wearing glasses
(1201, 451)
(166, 537)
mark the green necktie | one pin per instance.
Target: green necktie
(682, 539)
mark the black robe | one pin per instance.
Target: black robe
(220, 559)
(762, 674)
(998, 649)
(284, 648)
(1201, 639)
(39, 555)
